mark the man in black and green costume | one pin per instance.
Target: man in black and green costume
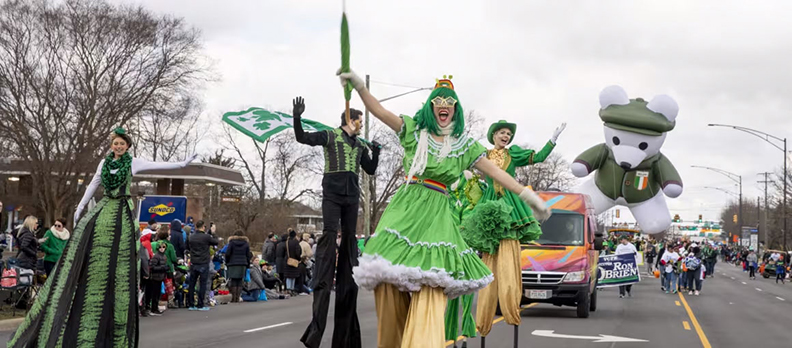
(344, 154)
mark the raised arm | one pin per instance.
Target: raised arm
(313, 139)
(140, 165)
(541, 212)
(89, 192)
(369, 164)
(372, 104)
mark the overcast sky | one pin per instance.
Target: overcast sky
(536, 63)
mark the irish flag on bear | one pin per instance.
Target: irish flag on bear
(641, 180)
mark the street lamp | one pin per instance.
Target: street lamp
(367, 179)
(767, 137)
(722, 190)
(738, 180)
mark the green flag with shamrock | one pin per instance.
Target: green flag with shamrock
(260, 124)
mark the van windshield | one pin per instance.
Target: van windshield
(563, 228)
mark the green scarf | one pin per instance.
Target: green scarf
(114, 181)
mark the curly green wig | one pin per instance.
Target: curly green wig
(425, 118)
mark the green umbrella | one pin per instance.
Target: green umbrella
(345, 63)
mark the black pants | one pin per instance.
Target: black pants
(153, 293)
(625, 289)
(752, 272)
(346, 332)
(48, 266)
(694, 280)
(202, 272)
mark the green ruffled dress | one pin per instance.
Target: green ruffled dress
(417, 241)
(500, 214)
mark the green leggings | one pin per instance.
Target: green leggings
(452, 318)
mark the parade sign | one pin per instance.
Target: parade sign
(163, 209)
(615, 270)
(260, 124)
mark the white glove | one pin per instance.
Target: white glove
(350, 76)
(77, 215)
(540, 209)
(468, 174)
(558, 132)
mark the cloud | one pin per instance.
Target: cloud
(536, 63)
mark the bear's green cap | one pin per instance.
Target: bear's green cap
(636, 117)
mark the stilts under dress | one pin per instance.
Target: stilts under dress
(417, 258)
(90, 299)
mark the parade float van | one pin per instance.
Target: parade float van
(561, 266)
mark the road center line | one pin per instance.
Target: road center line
(757, 289)
(677, 303)
(498, 320)
(744, 283)
(704, 341)
(686, 325)
(780, 298)
(268, 327)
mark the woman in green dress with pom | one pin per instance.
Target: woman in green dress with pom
(417, 258)
(90, 300)
(499, 223)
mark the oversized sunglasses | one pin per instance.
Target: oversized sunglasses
(446, 102)
(59, 225)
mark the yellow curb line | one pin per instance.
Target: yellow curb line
(498, 320)
(704, 341)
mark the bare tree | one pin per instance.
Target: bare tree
(167, 130)
(72, 71)
(389, 174)
(255, 167)
(293, 164)
(553, 173)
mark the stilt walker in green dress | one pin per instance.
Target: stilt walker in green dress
(90, 299)
(464, 195)
(417, 258)
(500, 222)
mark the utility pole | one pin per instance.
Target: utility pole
(366, 178)
(763, 235)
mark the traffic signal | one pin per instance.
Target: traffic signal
(734, 218)
(676, 218)
(700, 218)
(617, 213)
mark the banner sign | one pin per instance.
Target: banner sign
(163, 209)
(615, 270)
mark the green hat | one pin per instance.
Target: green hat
(636, 117)
(498, 126)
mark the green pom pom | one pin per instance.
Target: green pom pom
(119, 131)
(483, 228)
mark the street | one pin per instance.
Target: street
(732, 311)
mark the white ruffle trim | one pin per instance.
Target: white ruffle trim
(424, 244)
(374, 269)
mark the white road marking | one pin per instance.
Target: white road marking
(780, 298)
(744, 283)
(595, 339)
(757, 289)
(732, 278)
(268, 327)
(731, 302)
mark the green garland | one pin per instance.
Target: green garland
(124, 166)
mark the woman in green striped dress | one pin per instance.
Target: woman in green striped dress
(90, 300)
